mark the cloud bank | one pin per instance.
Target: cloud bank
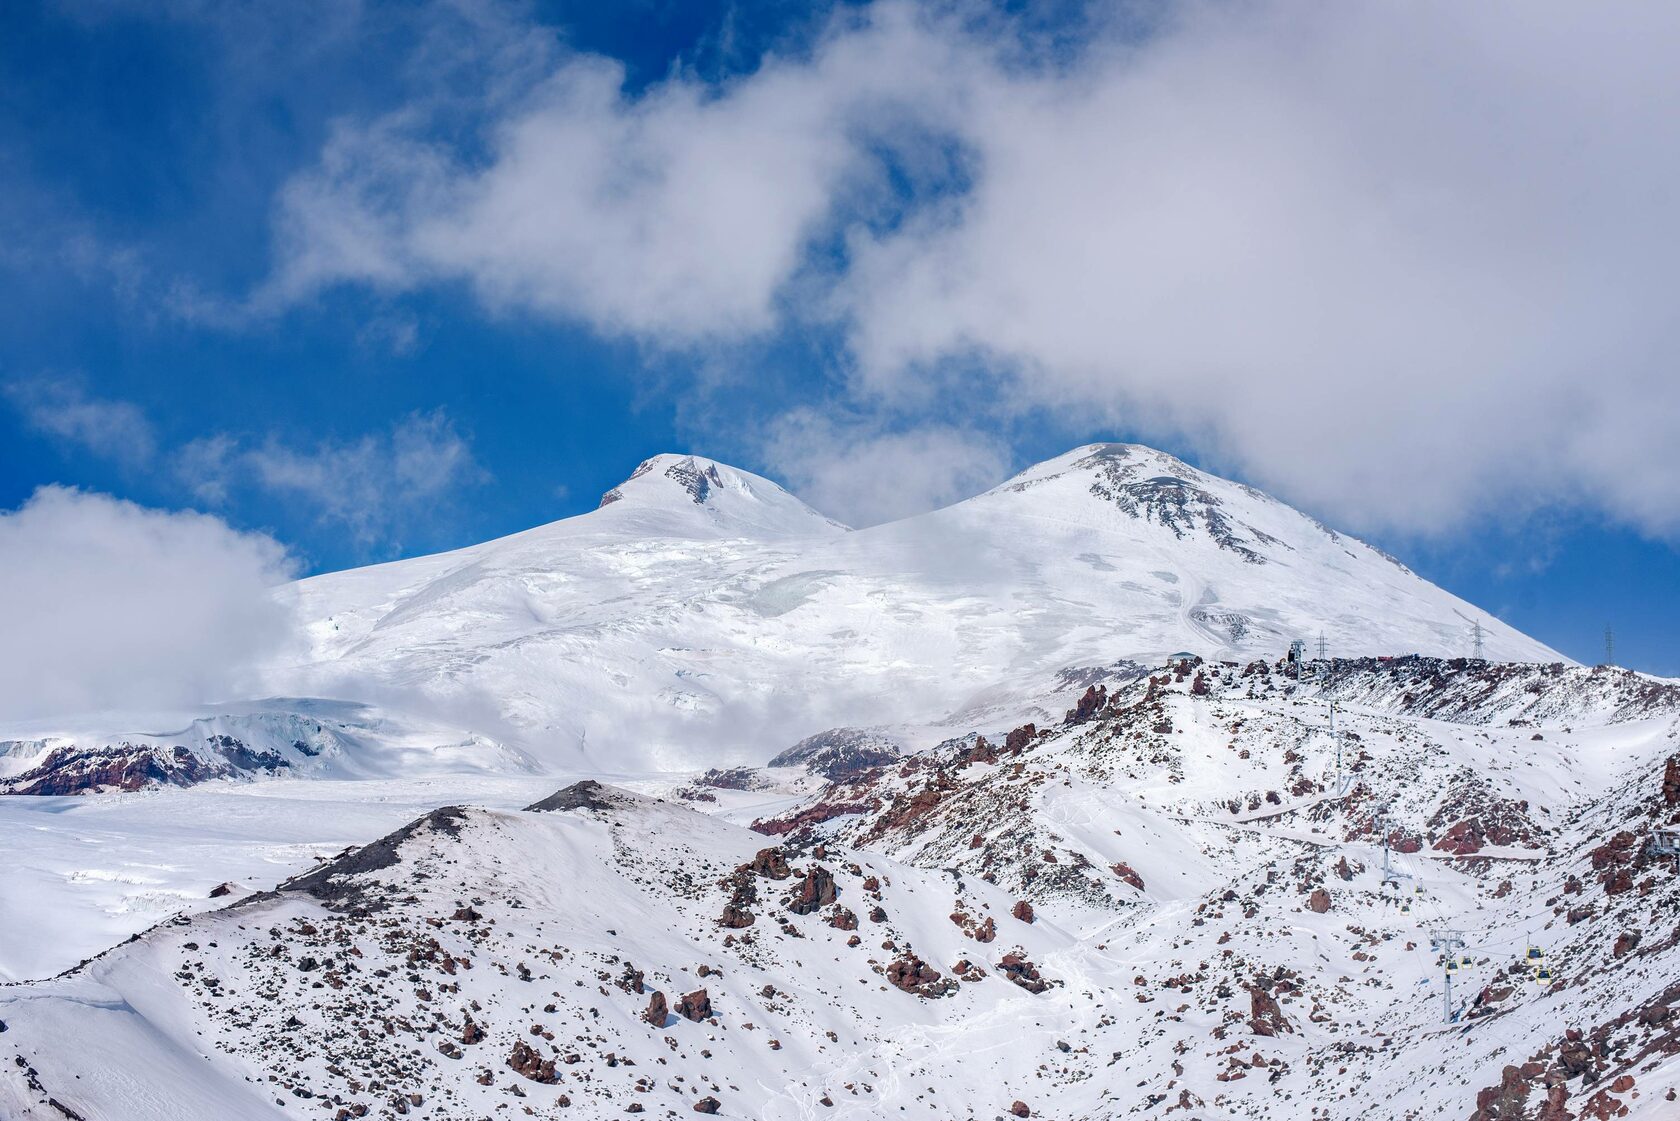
(1404, 265)
(109, 605)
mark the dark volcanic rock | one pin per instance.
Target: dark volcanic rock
(333, 883)
(657, 1010)
(585, 795)
(840, 753)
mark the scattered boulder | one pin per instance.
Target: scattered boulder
(528, 1064)
(707, 1105)
(1023, 973)
(1022, 910)
(735, 917)
(1319, 901)
(695, 1006)
(657, 1010)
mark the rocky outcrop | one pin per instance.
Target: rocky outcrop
(657, 1011)
(840, 753)
(913, 975)
(816, 891)
(585, 795)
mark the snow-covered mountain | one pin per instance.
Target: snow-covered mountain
(1163, 904)
(920, 820)
(702, 615)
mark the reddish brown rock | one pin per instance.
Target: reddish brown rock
(1671, 781)
(707, 1105)
(1265, 1017)
(842, 919)
(657, 1010)
(986, 931)
(695, 1006)
(1462, 839)
(1022, 910)
(528, 1064)
(770, 863)
(1127, 873)
(1020, 1109)
(1018, 739)
(1319, 901)
(1023, 973)
(735, 917)
(816, 890)
(1095, 697)
(1626, 943)
(908, 972)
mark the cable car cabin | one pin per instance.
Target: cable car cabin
(1452, 965)
(1465, 961)
(1542, 976)
(1535, 953)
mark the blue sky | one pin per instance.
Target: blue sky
(384, 279)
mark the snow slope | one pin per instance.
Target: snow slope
(704, 616)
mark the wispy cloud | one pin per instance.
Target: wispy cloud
(376, 487)
(63, 409)
(860, 474)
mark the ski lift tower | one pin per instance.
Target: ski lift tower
(1390, 874)
(1297, 655)
(1447, 943)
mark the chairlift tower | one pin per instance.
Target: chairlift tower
(1390, 874)
(1609, 645)
(1447, 943)
(1665, 842)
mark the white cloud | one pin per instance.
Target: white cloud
(110, 605)
(1401, 264)
(375, 486)
(63, 409)
(861, 476)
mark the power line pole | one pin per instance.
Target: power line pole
(1609, 645)
(1322, 647)
(1477, 633)
(1447, 943)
